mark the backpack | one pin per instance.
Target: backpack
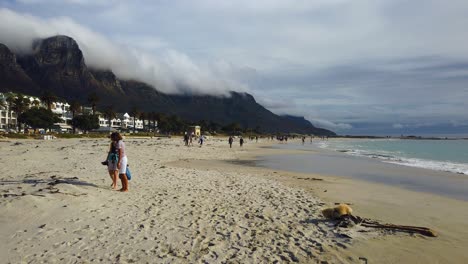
(113, 155)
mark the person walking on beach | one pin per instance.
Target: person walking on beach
(202, 138)
(190, 139)
(303, 140)
(122, 161)
(230, 140)
(111, 161)
(241, 141)
(186, 139)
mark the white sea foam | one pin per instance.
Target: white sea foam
(397, 158)
(434, 165)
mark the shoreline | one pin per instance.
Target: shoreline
(329, 162)
(390, 204)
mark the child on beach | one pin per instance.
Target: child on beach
(122, 161)
(111, 161)
(202, 138)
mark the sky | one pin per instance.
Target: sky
(373, 67)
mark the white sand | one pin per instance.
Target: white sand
(57, 206)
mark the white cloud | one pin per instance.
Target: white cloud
(329, 124)
(172, 72)
(73, 2)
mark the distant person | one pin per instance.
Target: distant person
(230, 140)
(191, 139)
(241, 141)
(200, 140)
(186, 139)
(303, 140)
(256, 139)
(311, 137)
(122, 161)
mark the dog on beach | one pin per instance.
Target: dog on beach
(337, 212)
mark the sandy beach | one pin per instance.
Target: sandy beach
(204, 205)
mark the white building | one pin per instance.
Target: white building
(63, 110)
(7, 116)
(123, 121)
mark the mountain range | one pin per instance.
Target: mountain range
(57, 65)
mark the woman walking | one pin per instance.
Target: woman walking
(122, 162)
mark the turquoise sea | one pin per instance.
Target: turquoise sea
(440, 155)
(436, 166)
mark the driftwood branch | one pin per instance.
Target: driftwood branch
(351, 220)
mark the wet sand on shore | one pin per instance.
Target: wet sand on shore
(386, 203)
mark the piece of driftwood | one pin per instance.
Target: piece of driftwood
(351, 220)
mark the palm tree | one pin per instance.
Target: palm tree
(10, 100)
(153, 117)
(48, 98)
(143, 116)
(93, 99)
(110, 114)
(134, 113)
(20, 104)
(3, 103)
(75, 107)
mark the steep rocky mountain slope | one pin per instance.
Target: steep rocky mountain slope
(57, 64)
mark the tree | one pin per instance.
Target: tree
(134, 113)
(203, 125)
(162, 122)
(3, 103)
(75, 107)
(20, 104)
(10, 100)
(38, 118)
(142, 116)
(48, 98)
(110, 114)
(233, 127)
(153, 116)
(86, 122)
(214, 127)
(176, 124)
(93, 99)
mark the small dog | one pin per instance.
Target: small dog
(337, 212)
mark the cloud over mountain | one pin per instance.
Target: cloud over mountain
(171, 72)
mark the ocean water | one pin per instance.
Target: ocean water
(440, 155)
(435, 166)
